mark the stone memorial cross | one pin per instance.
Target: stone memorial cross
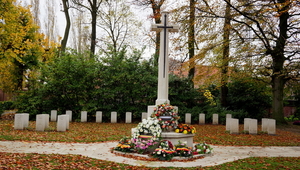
(163, 63)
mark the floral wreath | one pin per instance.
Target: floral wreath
(164, 151)
(149, 126)
(166, 110)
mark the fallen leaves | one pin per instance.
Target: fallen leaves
(101, 132)
(66, 162)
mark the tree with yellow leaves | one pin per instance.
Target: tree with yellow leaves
(22, 47)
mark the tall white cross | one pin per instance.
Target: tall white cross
(163, 62)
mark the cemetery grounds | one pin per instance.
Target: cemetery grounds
(90, 132)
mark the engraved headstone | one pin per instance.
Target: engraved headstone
(83, 116)
(69, 112)
(46, 118)
(228, 119)
(53, 115)
(272, 127)
(62, 123)
(215, 119)
(253, 126)
(128, 117)
(234, 126)
(228, 116)
(188, 118)
(113, 117)
(25, 119)
(99, 116)
(201, 118)
(67, 119)
(246, 124)
(40, 122)
(264, 124)
(18, 122)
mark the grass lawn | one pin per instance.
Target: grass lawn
(101, 132)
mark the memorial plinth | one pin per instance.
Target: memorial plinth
(175, 137)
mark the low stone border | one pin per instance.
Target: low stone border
(149, 158)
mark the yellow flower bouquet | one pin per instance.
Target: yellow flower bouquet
(185, 129)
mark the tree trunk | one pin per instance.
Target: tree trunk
(225, 57)
(68, 25)
(191, 41)
(94, 22)
(277, 94)
(278, 77)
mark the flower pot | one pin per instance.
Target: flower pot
(164, 118)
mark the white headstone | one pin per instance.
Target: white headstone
(264, 124)
(62, 123)
(18, 122)
(69, 112)
(246, 124)
(113, 117)
(188, 118)
(25, 119)
(272, 127)
(53, 115)
(46, 118)
(228, 116)
(228, 123)
(40, 122)
(99, 116)
(150, 110)
(83, 116)
(67, 119)
(253, 126)
(215, 119)
(234, 126)
(163, 64)
(144, 115)
(128, 117)
(201, 118)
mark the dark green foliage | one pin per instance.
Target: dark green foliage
(127, 84)
(188, 99)
(250, 96)
(75, 82)
(67, 83)
(5, 105)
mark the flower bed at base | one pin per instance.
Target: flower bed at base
(164, 150)
(146, 157)
(147, 141)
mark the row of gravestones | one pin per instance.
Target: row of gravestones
(42, 121)
(21, 122)
(232, 125)
(250, 125)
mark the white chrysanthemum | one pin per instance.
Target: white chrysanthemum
(144, 121)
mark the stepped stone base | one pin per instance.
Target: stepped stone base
(175, 137)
